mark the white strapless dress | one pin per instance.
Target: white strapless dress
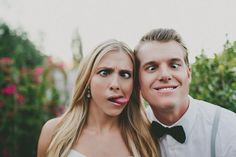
(74, 153)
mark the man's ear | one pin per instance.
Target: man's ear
(189, 73)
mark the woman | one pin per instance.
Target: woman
(105, 117)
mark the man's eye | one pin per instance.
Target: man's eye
(175, 66)
(104, 73)
(125, 75)
(150, 68)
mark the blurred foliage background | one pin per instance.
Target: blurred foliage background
(214, 79)
(29, 94)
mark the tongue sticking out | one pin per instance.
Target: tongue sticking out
(120, 101)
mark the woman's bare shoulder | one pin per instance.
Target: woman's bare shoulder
(46, 135)
(50, 125)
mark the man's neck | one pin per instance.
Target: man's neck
(169, 117)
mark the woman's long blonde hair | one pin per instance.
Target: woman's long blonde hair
(133, 122)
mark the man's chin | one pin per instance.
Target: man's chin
(166, 104)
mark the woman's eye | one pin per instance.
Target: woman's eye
(104, 73)
(125, 75)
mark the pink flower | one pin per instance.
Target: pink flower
(36, 74)
(6, 60)
(60, 65)
(38, 71)
(9, 89)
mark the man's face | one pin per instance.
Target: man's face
(164, 76)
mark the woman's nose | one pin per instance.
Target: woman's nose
(115, 83)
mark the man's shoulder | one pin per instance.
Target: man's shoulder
(204, 108)
(209, 109)
(202, 103)
(210, 106)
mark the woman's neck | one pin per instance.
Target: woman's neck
(99, 122)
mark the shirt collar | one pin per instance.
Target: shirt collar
(187, 120)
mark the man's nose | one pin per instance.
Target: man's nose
(164, 74)
(115, 85)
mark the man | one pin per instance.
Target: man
(184, 127)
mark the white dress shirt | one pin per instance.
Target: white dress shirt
(75, 153)
(197, 123)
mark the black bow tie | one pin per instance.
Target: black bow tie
(177, 132)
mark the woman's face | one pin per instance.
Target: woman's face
(112, 84)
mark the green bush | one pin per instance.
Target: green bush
(27, 96)
(214, 79)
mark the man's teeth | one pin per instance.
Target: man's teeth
(171, 88)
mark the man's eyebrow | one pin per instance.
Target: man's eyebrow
(175, 60)
(149, 63)
(126, 70)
